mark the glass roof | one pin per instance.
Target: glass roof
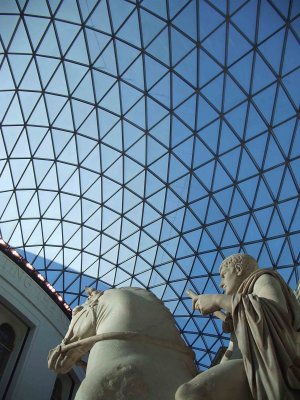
(141, 142)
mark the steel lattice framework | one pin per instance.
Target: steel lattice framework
(141, 142)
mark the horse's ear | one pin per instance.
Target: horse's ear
(88, 290)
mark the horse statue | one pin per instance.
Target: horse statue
(136, 351)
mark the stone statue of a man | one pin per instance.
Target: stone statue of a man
(264, 316)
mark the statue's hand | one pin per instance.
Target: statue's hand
(205, 303)
(62, 362)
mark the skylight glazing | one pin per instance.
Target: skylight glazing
(141, 142)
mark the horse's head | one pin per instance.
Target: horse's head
(83, 325)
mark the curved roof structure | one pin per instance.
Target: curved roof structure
(141, 142)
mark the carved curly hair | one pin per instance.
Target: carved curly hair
(245, 261)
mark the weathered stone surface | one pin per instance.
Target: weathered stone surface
(136, 351)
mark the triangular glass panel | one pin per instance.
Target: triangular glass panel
(284, 108)
(111, 101)
(6, 79)
(263, 218)
(288, 188)
(36, 28)
(274, 155)
(120, 12)
(276, 228)
(66, 33)
(109, 188)
(49, 47)
(69, 153)
(240, 224)
(31, 79)
(107, 60)
(161, 131)
(238, 46)
(81, 111)
(206, 113)
(243, 198)
(265, 101)
(130, 31)
(180, 46)
(45, 149)
(54, 105)
(257, 148)
(89, 126)
(151, 26)
(132, 169)
(96, 42)
(85, 90)
(215, 44)
(8, 22)
(28, 178)
(246, 166)
(14, 114)
(267, 50)
(84, 148)
(186, 20)
(252, 231)
(58, 82)
(263, 197)
(126, 55)
(68, 11)
(129, 96)
(11, 135)
(263, 75)
(221, 178)
(114, 137)
(214, 212)
(158, 48)
(99, 19)
(234, 95)
(196, 190)
(242, 71)
(137, 184)
(137, 114)
(115, 171)
(180, 132)
(157, 7)
(210, 19)
(255, 122)
(188, 67)
(205, 174)
(19, 64)
(131, 134)
(208, 68)
(269, 21)
(246, 17)
(138, 151)
(214, 91)
(78, 52)
(20, 42)
(292, 54)
(287, 210)
(230, 238)
(206, 243)
(135, 73)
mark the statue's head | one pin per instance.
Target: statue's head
(234, 270)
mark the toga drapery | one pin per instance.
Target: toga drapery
(269, 340)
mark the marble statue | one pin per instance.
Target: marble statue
(263, 359)
(136, 351)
